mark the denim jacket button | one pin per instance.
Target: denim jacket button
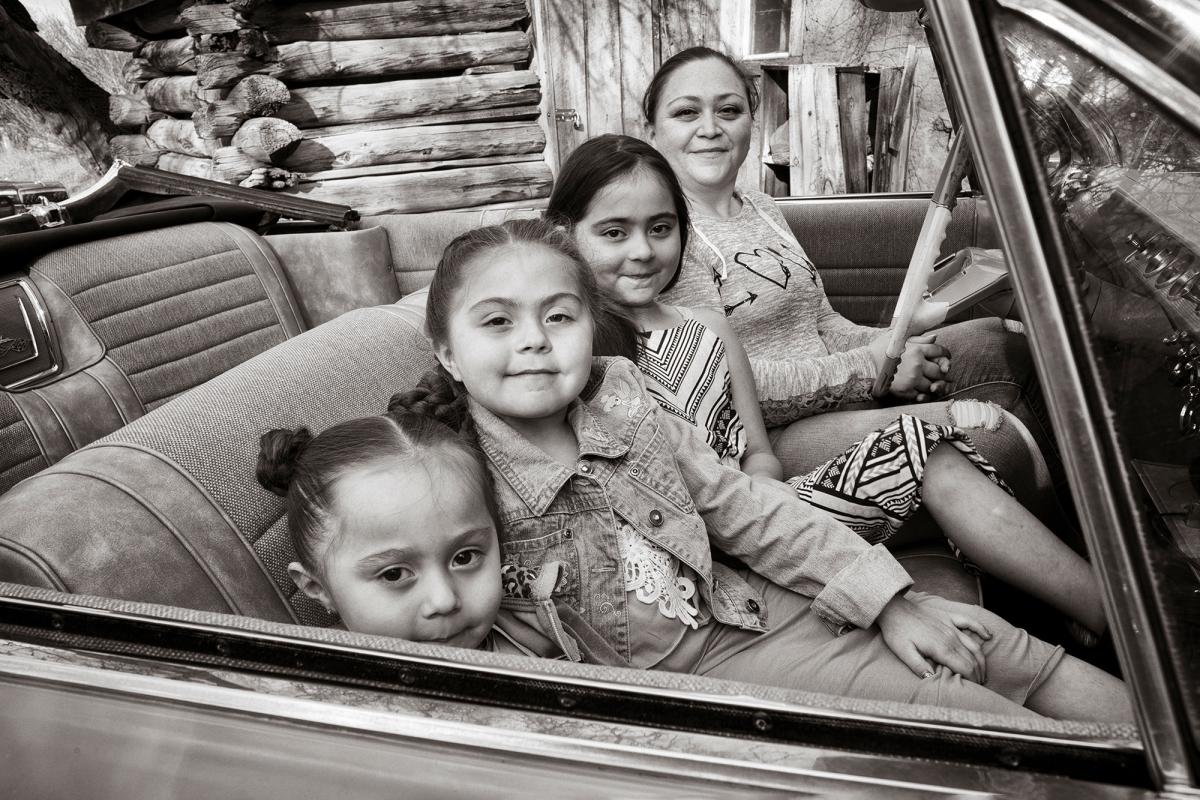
(635, 471)
(752, 606)
(586, 469)
(656, 518)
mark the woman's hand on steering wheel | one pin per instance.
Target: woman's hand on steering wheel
(923, 369)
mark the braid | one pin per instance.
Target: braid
(436, 395)
(278, 452)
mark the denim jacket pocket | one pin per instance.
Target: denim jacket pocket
(654, 467)
(735, 602)
(526, 550)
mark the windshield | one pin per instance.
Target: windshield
(1124, 177)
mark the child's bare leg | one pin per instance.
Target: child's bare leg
(1077, 690)
(1001, 536)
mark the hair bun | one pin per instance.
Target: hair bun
(434, 396)
(278, 452)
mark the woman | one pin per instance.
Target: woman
(810, 363)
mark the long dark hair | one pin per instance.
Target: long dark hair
(653, 95)
(601, 161)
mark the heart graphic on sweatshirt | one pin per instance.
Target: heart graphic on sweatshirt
(773, 265)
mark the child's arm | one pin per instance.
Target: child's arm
(763, 523)
(759, 458)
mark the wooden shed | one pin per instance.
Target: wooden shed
(419, 105)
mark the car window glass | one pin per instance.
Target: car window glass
(1124, 179)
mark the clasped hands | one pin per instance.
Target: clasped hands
(925, 364)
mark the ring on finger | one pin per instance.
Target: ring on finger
(927, 675)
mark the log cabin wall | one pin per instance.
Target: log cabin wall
(600, 55)
(407, 106)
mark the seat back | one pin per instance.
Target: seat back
(167, 510)
(862, 244)
(139, 319)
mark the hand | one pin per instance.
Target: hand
(928, 314)
(922, 372)
(924, 637)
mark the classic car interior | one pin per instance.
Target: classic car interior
(127, 459)
(328, 327)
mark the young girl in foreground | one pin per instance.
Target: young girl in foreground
(590, 473)
(629, 218)
(394, 529)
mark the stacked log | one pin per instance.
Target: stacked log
(414, 105)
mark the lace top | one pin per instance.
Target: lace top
(664, 605)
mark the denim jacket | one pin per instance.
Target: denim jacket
(535, 624)
(658, 474)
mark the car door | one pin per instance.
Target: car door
(1085, 120)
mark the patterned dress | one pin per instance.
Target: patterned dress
(872, 488)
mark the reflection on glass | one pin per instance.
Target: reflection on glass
(1124, 180)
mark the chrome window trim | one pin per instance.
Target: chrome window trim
(1112, 52)
(1162, 725)
(999, 737)
(472, 736)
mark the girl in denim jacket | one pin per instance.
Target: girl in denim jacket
(588, 472)
(628, 216)
(394, 529)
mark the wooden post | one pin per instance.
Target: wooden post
(138, 71)
(254, 96)
(885, 109)
(131, 111)
(104, 36)
(332, 105)
(814, 141)
(186, 165)
(179, 136)
(231, 165)
(212, 18)
(363, 146)
(852, 118)
(171, 56)
(331, 20)
(135, 148)
(440, 189)
(175, 94)
(307, 62)
(898, 139)
(772, 116)
(267, 140)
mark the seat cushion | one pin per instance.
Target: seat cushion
(140, 319)
(167, 509)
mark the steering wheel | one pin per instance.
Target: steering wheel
(920, 266)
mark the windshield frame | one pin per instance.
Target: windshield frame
(986, 87)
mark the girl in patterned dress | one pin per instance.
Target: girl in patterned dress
(629, 218)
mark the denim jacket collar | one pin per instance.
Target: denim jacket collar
(602, 426)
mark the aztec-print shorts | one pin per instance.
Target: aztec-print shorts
(875, 485)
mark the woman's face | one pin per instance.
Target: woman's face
(702, 125)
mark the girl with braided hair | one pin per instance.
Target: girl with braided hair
(589, 474)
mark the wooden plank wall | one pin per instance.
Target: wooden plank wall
(607, 50)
